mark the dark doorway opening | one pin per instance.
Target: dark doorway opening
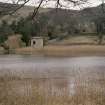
(34, 42)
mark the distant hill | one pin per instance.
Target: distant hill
(85, 14)
(83, 18)
(89, 13)
(23, 12)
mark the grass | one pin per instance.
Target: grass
(84, 87)
(2, 50)
(70, 46)
(61, 50)
(77, 40)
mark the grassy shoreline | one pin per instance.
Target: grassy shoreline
(73, 50)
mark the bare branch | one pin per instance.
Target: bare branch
(36, 9)
(9, 9)
(25, 1)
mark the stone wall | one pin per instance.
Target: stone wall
(37, 42)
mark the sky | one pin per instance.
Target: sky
(52, 4)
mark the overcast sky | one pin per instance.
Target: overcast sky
(52, 4)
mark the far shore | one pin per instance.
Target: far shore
(63, 51)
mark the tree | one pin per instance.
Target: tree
(51, 31)
(5, 31)
(100, 24)
(13, 26)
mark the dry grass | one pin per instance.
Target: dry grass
(83, 87)
(73, 50)
(76, 40)
(2, 51)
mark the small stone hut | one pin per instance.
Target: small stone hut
(37, 42)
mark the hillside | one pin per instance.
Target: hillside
(23, 12)
(53, 23)
(85, 14)
(61, 26)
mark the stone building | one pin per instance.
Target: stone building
(37, 42)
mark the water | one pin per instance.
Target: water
(64, 80)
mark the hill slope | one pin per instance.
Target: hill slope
(82, 19)
(87, 13)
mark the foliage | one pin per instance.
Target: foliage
(100, 25)
(5, 31)
(52, 24)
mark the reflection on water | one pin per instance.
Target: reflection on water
(52, 81)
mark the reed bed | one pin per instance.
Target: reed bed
(82, 87)
(62, 50)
